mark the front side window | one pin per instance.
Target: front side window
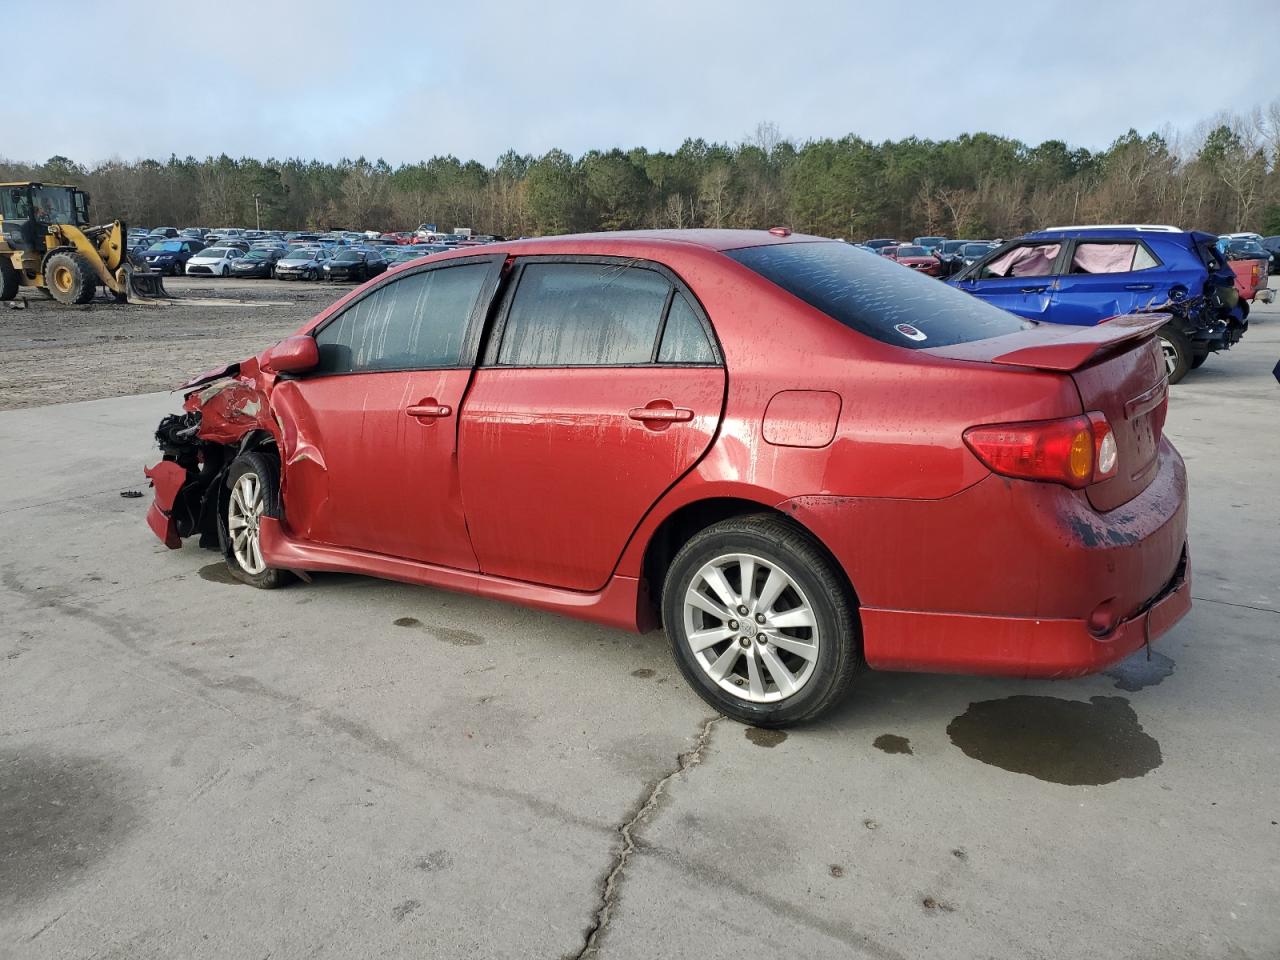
(413, 323)
(1028, 260)
(583, 314)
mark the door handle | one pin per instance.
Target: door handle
(661, 414)
(429, 410)
(1035, 289)
(1139, 286)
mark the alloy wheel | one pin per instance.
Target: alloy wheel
(750, 628)
(1170, 353)
(244, 513)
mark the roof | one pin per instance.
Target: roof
(610, 241)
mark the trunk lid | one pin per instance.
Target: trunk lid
(1118, 370)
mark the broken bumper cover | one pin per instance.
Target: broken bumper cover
(167, 478)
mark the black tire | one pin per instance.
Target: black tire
(1198, 358)
(779, 544)
(267, 472)
(8, 278)
(69, 278)
(1177, 352)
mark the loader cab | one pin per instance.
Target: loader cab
(29, 209)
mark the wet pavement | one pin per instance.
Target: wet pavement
(358, 768)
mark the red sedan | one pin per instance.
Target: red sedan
(917, 258)
(798, 458)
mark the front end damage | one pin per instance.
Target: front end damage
(224, 414)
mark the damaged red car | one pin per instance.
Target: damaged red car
(800, 459)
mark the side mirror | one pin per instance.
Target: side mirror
(293, 355)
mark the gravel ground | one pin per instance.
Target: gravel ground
(51, 353)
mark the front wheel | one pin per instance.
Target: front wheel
(760, 621)
(253, 484)
(1177, 352)
(70, 278)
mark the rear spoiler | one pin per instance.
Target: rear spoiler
(1055, 346)
(1065, 348)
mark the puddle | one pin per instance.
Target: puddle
(459, 638)
(1137, 672)
(59, 814)
(218, 573)
(765, 738)
(1071, 742)
(891, 743)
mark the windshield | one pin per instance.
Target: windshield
(52, 204)
(1242, 248)
(901, 307)
(911, 251)
(302, 255)
(347, 256)
(168, 246)
(217, 253)
(975, 249)
(255, 255)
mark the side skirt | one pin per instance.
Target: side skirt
(614, 606)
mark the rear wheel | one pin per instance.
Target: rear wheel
(1198, 358)
(253, 482)
(69, 278)
(1177, 352)
(760, 622)
(8, 278)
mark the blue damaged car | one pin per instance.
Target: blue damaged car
(1084, 275)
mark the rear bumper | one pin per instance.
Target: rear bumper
(1005, 576)
(1018, 646)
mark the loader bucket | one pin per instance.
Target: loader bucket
(143, 286)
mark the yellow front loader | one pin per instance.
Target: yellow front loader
(46, 242)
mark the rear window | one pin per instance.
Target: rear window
(876, 296)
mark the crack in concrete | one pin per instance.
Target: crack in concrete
(627, 831)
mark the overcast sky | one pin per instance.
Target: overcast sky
(406, 80)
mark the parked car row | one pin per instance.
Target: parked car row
(233, 252)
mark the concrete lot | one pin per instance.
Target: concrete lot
(354, 768)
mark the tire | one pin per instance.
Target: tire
(1198, 358)
(1178, 352)
(224, 272)
(69, 278)
(240, 514)
(8, 278)
(751, 688)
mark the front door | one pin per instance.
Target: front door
(1018, 279)
(372, 461)
(602, 387)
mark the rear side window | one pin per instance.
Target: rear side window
(583, 314)
(684, 340)
(417, 322)
(877, 297)
(1110, 258)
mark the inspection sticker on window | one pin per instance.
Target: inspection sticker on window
(910, 332)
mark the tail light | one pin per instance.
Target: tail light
(1074, 451)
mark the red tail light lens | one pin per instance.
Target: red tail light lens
(1075, 451)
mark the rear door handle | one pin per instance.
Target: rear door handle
(1139, 286)
(429, 411)
(661, 414)
(1035, 289)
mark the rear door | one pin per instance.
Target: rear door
(601, 386)
(371, 436)
(1105, 278)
